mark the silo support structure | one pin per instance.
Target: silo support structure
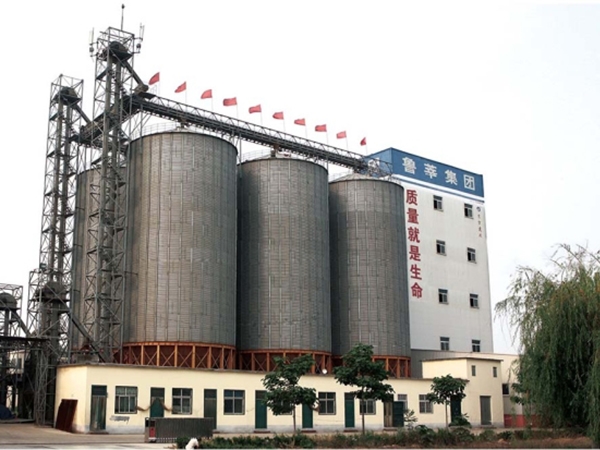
(264, 360)
(180, 354)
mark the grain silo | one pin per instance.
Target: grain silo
(80, 249)
(284, 293)
(369, 286)
(182, 262)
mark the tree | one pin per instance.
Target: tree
(361, 371)
(557, 316)
(283, 393)
(446, 389)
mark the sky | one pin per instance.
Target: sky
(505, 89)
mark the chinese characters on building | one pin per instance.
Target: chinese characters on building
(479, 223)
(429, 171)
(414, 252)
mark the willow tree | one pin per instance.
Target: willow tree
(557, 316)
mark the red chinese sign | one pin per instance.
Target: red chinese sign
(414, 252)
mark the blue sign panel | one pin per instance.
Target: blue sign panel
(428, 171)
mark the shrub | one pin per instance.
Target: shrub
(506, 435)
(487, 436)
(181, 442)
(461, 421)
(463, 435)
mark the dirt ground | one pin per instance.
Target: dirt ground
(571, 442)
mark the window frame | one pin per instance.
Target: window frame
(233, 397)
(403, 398)
(438, 203)
(505, 389)
(444, 342)
(327, 401)
(425, 406)
(473, 370)
(126, 395)
(495, 372)
(468, 207)
(474, 300)
(471, 255)
(440, 247)
(181, 396)
(443, 296)
(369, 405)
(476, 345)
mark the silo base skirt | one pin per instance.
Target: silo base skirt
(180, 354)
(397, 366)
(263, 360)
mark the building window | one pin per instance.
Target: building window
(126, 400)
(437, 203)
(425, 406)
(468, 211)
(326, 402)
(476, 345)
(471, 257)
(367, 406)
(233, 401)
(444, 343)
(440, 247)
(474, 300)
(443, 296)
(473, 371)
(182, 401)
(403, 398)
(505, 389)
(495, 372)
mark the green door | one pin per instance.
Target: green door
(455, 409)
(157, 399)
(210, 405)
(485, 403)
(307, 416)
(98, 408)
(349, 411)
(398, 414)
(260, 411)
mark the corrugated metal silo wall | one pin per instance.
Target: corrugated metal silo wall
(369, 286)
(182, 236)
(81, 246)
(284, 291)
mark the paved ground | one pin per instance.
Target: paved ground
(26, 435)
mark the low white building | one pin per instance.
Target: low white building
(118, 398)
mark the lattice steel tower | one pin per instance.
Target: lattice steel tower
(50, 284)
(110, 139)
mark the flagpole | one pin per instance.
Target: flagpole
(346, 142)
(261, 120)
(283, 125)
(212, 103)
(237, 111)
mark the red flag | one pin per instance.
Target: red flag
(181, 88)
(278, 116)
(300, 122)
(155, 79)
(363, 141)
(321, 128)
(206, 94)
(255, 109)
(341, 135)
(230, 101)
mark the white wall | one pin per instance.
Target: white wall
(76, 381)
(430, 320)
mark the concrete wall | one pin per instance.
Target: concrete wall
(429, 319)
(483, 383)
(74, 382)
